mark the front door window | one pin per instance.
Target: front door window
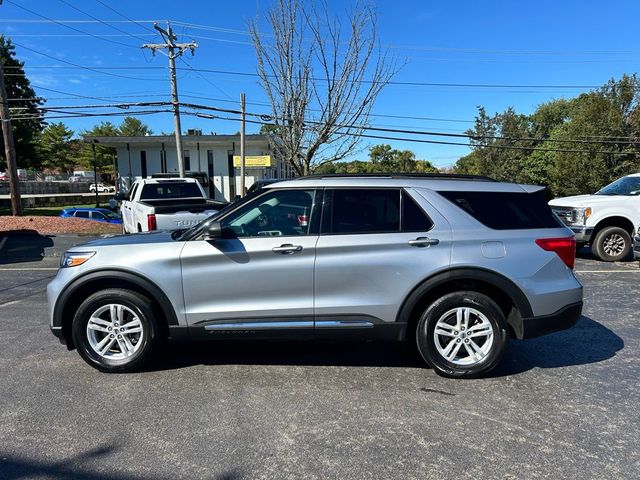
(278, 213)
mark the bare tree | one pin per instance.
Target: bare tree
(322, 79)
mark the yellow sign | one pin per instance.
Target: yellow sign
(253, 161)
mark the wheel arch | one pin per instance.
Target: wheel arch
(509, 297)
(614, 221)
(76, 292)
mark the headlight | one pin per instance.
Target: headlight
(581, 214)
(73, 259)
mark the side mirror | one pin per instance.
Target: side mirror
(213, 231)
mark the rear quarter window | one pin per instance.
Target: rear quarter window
(506, 210)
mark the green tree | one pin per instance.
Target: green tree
(55, 147)
(104, 155)
(571, 145)
(382, 159)
(133, 127)
(24, 103)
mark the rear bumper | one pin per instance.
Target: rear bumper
(583, 234)
(561, 320)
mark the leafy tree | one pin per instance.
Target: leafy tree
(571, 145)
(56, 148)
(133, 127)
(104, 155)
(25, 103)
(382, 159)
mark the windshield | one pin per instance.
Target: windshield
(622, 186)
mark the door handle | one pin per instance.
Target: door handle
(287, 249)
(424, 242)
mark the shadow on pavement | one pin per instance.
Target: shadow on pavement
(23, 246)
(587, 342)
(15, 467)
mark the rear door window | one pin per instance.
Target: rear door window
(506, 210)
(82, 214)
(362, 210)
(414, 219)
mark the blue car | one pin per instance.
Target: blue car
(97, 214)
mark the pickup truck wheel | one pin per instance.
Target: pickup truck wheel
(462, 334)
(115, 330)
(612, 244)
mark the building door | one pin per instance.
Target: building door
(143, 163)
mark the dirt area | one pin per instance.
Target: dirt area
(47, 224)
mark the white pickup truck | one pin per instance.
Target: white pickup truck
(607, 220)
(165, 204)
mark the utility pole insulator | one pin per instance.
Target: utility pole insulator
(174, 50)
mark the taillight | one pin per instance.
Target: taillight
(564, 247)
(151, 222)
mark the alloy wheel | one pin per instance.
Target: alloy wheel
(115, 332)
(463, 336)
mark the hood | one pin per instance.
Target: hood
(586, 200)
(160, 236)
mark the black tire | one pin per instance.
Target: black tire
(426, 338)
(608, 238)
(138, 304)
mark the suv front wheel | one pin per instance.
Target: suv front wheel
(462, 334)
(115, 330)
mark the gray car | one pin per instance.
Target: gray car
(453, 265)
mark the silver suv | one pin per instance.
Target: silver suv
(451, 264)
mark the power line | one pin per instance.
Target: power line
(80, 66)
(400, 83)
(101, 21)
(68, 26)
(137, 22)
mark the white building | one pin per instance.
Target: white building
(141, 157)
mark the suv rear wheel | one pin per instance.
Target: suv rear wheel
(462, 334)
(612, 244)
(115, 330)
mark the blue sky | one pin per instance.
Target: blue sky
(490, 42)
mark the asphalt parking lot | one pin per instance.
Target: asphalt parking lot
(561, 406)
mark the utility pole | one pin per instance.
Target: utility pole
(174, 50)
(242, 124)
(9, 147)
(95, 173)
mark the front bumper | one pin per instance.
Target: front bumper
(561, 320)
(583, 234)
(636, 247)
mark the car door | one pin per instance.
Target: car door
(260, 275)
(98, 216)
(127, 211)
(375, 246)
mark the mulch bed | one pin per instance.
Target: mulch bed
(43, 224)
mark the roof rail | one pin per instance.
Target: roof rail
(430, 176)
